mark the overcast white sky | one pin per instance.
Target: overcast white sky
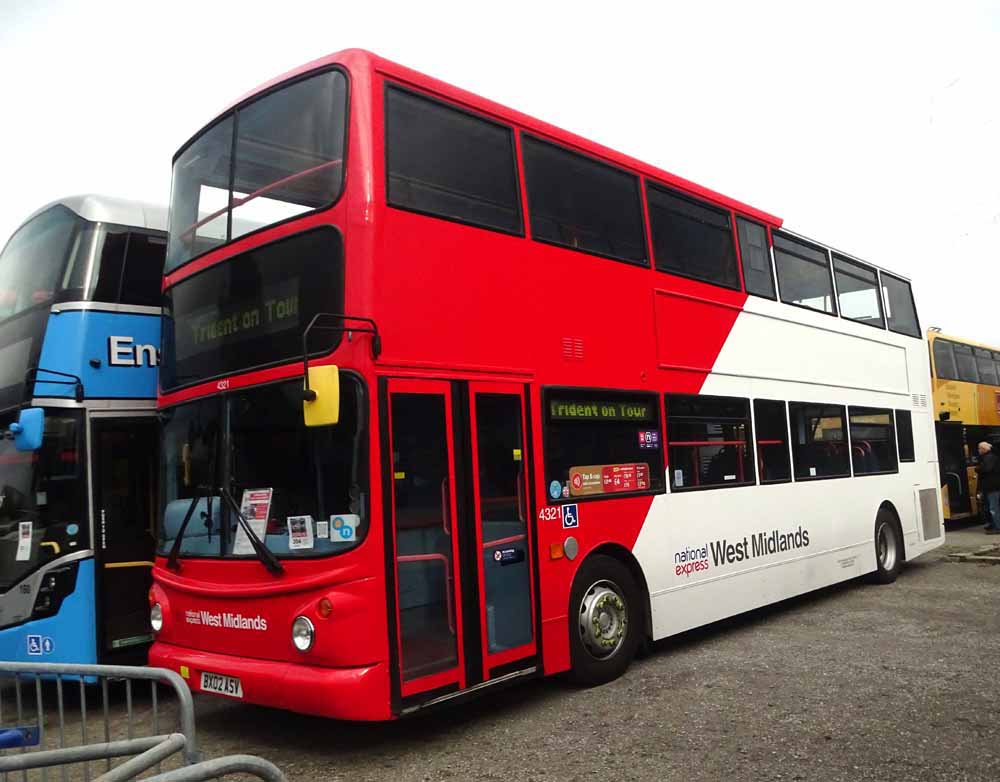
(873, 127)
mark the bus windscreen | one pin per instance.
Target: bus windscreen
(42, 498)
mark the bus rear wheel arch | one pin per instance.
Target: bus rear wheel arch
(607, 620)
(889, 551)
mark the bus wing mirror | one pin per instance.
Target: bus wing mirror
(321, 396)
(29, 429)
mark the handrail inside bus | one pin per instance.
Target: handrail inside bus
(501, 541)
(237, 202)
(706, 442)
(521, 504)
(697, 444)
(445, 507)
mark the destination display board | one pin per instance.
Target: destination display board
(251, 310)
(601, 410)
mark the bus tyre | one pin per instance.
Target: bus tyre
(605, 621)
(888, 547)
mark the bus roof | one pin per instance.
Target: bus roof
(108, 209)
(362, 59)
(847, 255)
(936, 333)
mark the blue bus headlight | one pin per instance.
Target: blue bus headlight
(156, 617)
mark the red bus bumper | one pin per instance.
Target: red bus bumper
(340, 693)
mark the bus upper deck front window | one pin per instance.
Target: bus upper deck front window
(33, 260)
(289, 147)
(199, 195)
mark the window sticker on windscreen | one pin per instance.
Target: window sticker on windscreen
(649, 439)
(300, 532)
(255, 507)
(23, 542)
(344, 527)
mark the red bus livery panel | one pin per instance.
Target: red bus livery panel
(572, 388)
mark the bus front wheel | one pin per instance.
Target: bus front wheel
(888, 547)
(605, 620)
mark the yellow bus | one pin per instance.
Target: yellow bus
(966, 388)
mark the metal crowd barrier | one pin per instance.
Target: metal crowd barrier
(60, 720)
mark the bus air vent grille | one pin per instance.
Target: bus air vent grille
(929, 513)
(920, 400)
(572, 348)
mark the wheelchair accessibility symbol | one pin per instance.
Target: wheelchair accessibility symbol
(570, 517)
(39, 645)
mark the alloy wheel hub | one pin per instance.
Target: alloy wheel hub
(603, 620)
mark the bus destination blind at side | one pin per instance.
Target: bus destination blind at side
(609, 410)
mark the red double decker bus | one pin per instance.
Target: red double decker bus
(452, 398)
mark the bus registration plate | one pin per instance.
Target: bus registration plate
(223, 685)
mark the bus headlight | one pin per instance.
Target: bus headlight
(303, 634)
(156, 617)
(56, 585)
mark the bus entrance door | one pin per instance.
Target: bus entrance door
(422, 476)
(460, 547)
(502, 535)
(125, 461)
(954, 473)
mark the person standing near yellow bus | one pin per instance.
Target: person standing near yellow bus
(989, 485)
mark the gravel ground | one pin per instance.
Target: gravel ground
(855, 682)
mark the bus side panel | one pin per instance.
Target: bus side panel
(67, 637)
(126, 344)
(679, 610)
(741, 548)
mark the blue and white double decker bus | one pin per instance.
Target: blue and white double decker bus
(80, 313)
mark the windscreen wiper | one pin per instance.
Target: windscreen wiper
(264, 554)
(175, 550)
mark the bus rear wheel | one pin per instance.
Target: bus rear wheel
(888, 547)
(605, 621)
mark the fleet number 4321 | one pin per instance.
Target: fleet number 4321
(550, 513)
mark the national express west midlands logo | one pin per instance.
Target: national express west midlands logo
(225, 619)
(726, 552)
